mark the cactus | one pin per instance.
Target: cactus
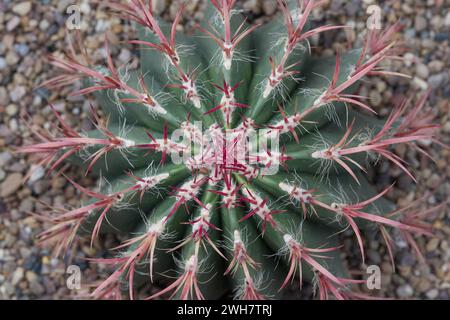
(204, 216)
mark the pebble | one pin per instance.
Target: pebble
(24, 252)
(12, 58)
(420, 23)
(438, 80)
(410, 34)
(424, 285)
(26, 205)
(381, 86)
(159, 6)
(17, 276)
(409, 59)
(11, 184)
(38, 173)
(432, 294)
(12, 24)
(436, 66)
(3, 64)
(432, 244)
(11, 109)
(22, 49)
(419, 83)
(8, 289)
(422, 71)
(442, 36)
(31, 276)
(446, 127)
(269, 7)
(22, 8)
(375, 98)
(405, 291)
(36, 288)
(43, 25)
(374, 256)
(4, 97)
(124, 56)
(253, 6)
(5, 157)
(17, 93)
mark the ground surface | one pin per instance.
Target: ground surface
(30, 30)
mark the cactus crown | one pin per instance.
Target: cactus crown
(233, 156)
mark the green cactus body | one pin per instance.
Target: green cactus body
(216, 220)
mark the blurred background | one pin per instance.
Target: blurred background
(29, 30)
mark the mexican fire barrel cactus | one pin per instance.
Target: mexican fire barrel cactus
(233, 158)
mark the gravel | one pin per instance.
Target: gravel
(11, 184)
(33, 30)
(22, 8)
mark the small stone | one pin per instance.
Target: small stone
(432, 244)
(420, 23)
(419, 83)
(3, 63)
(434, 181)
(24, 252)
(374, 256)
(11, 184)
(17, 166)
(436, 22)
(424, 285)
(36, 288)
(13, 23)
(22, 8)
(11, 110)
(12, 58)
(375, 98)
(26, 205)
(410, 34)
(422, 71)
(432, 294)
(253, 6)
(124, 56)
(269, 7)
(13, 125)
(101, 26)
(8, 289)
(352, 7)
(441, 36)
(407, 8)
(17, 276)
(407, 259)
(438, 80)
(446, 127)
(4, 97)
(17, 93)
(2, 174)
(22, 49)
(5, 157)
(31, 276)
(381, 86)
(409, 59)
(43, 25)
(447, 20)
(159, 6)
(38, 173)
(436, 66)
(405, 291)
